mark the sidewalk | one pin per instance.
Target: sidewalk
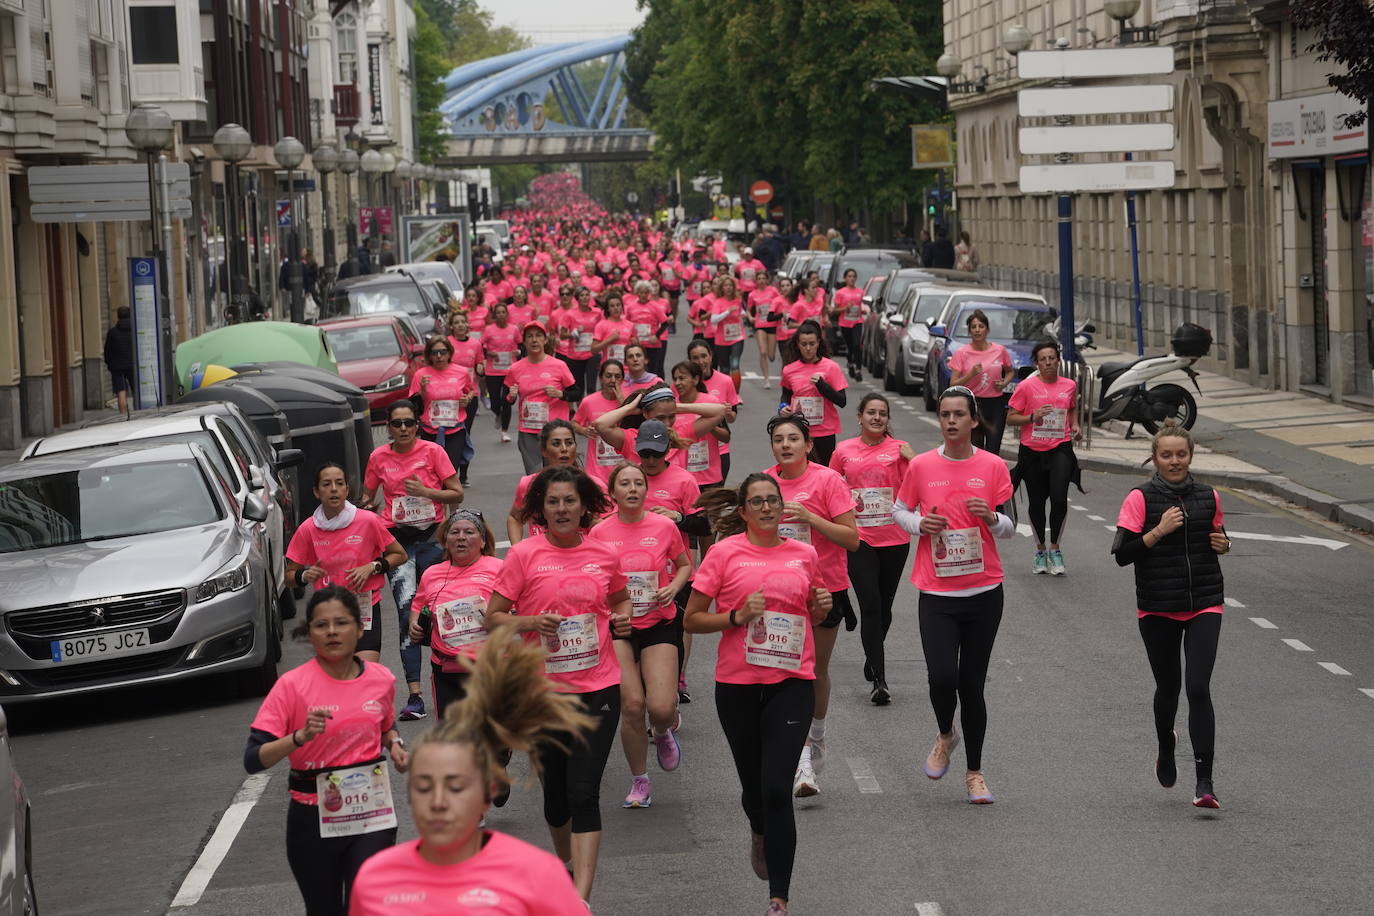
(1306, 450)
(10, 456)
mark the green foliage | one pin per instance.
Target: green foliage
(469, 34)
(1345, 35)
(428, 50)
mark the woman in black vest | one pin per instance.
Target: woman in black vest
(1171, 528)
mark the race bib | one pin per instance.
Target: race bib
(668, 275)
(461, 621)
(813, 408)
(776, 640)
(355, 800)
(696, 287)
(502, 359)
(575, 647)
(616, 351)
(872, 506)
(795, 530)
(731, 332)
(642, 586)
(643, 330)
(534, 413)
(747, 274)
(852, 313)
(583, 340)
(443, 413)
(365, 606)
(604, 266)
(412, 510)
(957, 552)
(606, 454)
(699, 456)
(1052, 426)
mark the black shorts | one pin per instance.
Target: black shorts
(839, 609)
(665, 632)
(121, 381)
(371, 640)
(773, 330)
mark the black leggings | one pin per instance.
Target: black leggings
(572, 781)
(1199, 638)
(455, 443)
(1050, 484)
(765, 726)
(992, 422)
(875, 573)
(822, 447)
(449, 687)
(852, 345)
(957, 636)
(724, 468)
(496, 392)
(656, 357)
(324, 867)
(725, 357)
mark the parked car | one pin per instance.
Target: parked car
(794, 265)
(387, 293)
(16, 848)
(889, 291)
(446, 271)
(131, 564)
(378, 353)
(241, 456)
(868, 263)
(1017, 325)
(498, 227)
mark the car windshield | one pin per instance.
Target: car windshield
(405, 298)
(928, 306)
(823, 270)
(96, 504)
(899, 286)
(866, 270)
(368, 342)
(1004, 322)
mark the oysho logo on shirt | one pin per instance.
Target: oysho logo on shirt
(479, 897)
(937, 483)
(744, 563)
(549, 567)
(404, 897)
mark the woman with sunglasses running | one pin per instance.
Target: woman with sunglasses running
(814, 388)
(655, 563)
(949, 498)
(442, 390)
(873, 464)
(545, 387)
(769, 596)
(412, 482)
(565, 590)
(501, 344)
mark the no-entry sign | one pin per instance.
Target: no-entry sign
(761, 192)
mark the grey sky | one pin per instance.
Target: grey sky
(547, 21)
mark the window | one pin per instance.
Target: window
(153, 31)
(346, 45)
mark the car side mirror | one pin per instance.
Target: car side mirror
(896, 319)
(288, 458)
(254, 509)
(255, 479)
(417, 349)
(937, 330)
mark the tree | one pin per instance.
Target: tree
(1345, 35)
(431, 64)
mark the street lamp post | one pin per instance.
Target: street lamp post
(289, 153)
(348, 165)
(233, 144)
(326, 160)
(400, 179)
(388, 169)
(374, 164)
(150, 129)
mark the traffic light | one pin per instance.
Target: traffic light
(930, 209)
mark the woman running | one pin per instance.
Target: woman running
(818, 511)
(474, 308)
(454, 777)
(501, 344)
(521, 312)
(442, 390)
(765, 312)
(769, 595)
(701, 457)
(545, 387)
(412, 481)
(873, 465)
(950, 497)
(659, 403)
(648, 316)
(602, 457)
(557, 449)
(721, 387)
(655, 563)
(1171, 528)
(985, 369)
(813, 387)
(637, 374)
(333, 717)
(1043, 406)
(338, 545)
(467, 353)
(785, 301)
(849, 309)
(613, 332)
(565, 590)
(727, 324)
(578, 327)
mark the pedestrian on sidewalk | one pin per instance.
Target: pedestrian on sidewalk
(119, 357)
(965, 255)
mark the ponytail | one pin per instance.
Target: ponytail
(722, 504)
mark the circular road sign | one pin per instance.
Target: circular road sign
(761, 192)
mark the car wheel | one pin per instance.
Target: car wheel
(256, 682)
(928, 390)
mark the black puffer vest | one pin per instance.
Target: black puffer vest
(1181, 572)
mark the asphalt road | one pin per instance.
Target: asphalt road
(129, 788)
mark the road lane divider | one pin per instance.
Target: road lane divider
(863, 776)
(1232, 602)
(212, 856)
(1297, 645)
(1263, 624)
(1334, 668)
(929, 909)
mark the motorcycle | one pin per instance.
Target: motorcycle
(1125, 392)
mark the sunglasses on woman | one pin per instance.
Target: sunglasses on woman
(402, 424)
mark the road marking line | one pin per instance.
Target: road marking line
(1231, 602)
(1078, 508)
(1368, 691)
(1024, 530)
(1263, 624)
(1096, 518)
(1298, 645)
(211, 857)
(863, 775)
(929, 909)
(931, 420)
(1305, 539)
(1110, 527)
(1334, 668)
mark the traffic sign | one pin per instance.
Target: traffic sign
(103, 211)
(283, 213)
(631, 197)
(760, 192)
(1096, 177)
(1095, 138)
(84, 183)
(1091, 100)
(1092, 63)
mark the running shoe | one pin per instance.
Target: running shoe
(414, 708)
(937, 764)
(1165, 769)
(804, 784)
(977, 786)
(668, 750)
(818, 754)
(677, 722)
(880, 695)
(1056, 562)
(756, 858)
(1042, 563)
(682, 695)
(1204, 796)
(485, 401)
(641, 794)
(776, 908)
(505, 436)
(766, 386)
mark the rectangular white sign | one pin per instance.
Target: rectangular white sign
(1095, 138)
(1091, 100)
(1315, 125)
(1089, 63)
(1092, 177)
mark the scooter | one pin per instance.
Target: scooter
(1125, 394)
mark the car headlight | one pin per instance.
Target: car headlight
(231, 581)
(917, 346)
(391, 384)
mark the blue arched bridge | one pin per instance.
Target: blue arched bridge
(531, 106)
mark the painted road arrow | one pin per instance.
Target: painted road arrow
(1303, 539)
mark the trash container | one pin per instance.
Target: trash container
(321, 424)
(362, 412)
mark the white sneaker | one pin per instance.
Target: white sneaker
(804, 783)
(818, 755)
(505, 437)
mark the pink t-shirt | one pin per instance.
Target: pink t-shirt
(673, 489)
(823, 492)
(336, 552)
(457, 598)
(670, 274)
(729, 330)
(441, 396)
(761, 305)
(477, 319)
(696, 277)
(528, 379)
(874, 474)
(554, 322)
(646, 551)
(603, 331)
(807, 399)
(701, 458)
(362, 708)
(849, 302)
(390, 468)
(543, 302)
(995, 360)
(1032, 394)
(645, 317)
(502, 346)
(466, 353)
(734, 569)
(581, 325)
(721, 387)
(601, 456)
(574, 583)
(520, 315)
(1132, 518)
(965, 553)
(507, 877)
(748, 273)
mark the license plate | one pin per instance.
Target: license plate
(85, 648)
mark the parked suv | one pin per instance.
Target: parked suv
(385, 293)
(131, 564)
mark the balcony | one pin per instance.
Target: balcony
(345, 104)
